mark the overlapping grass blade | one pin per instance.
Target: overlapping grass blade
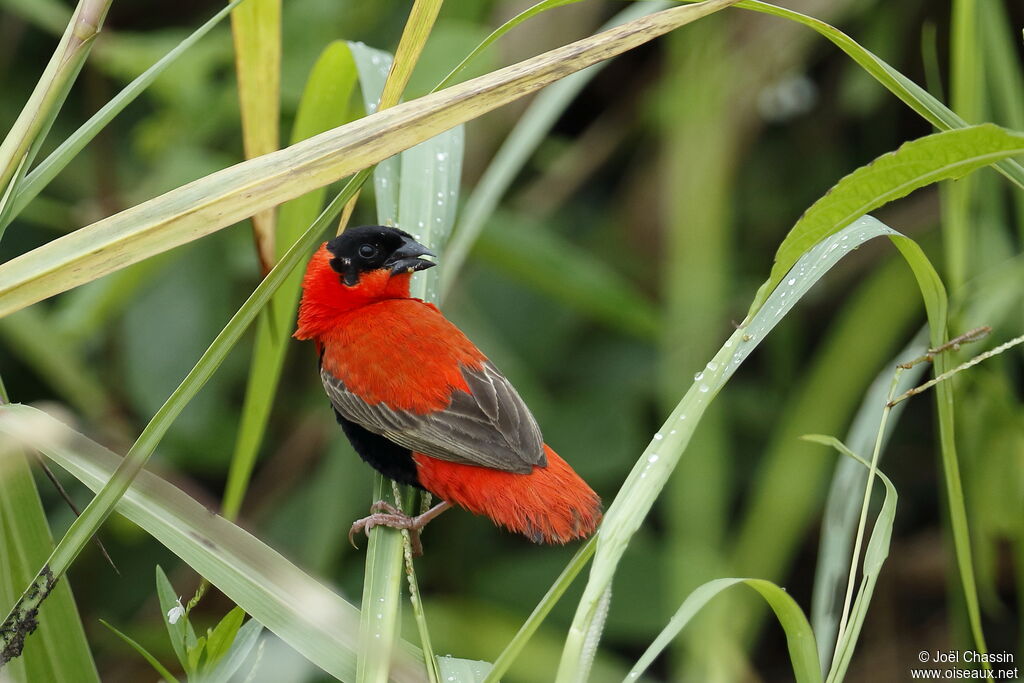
(307, 615)
(324, 105)
(256, 28)
(223, 198)
(55, 162)
(799, 637)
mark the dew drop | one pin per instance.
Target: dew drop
(672, 431)
(698, 377)
(704, 388)
(792, 280)
(658, 437)
(653, 457)
(441, 156)
(712, 365)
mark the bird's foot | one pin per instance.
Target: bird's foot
(385, 514)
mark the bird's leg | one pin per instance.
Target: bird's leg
(385, 514)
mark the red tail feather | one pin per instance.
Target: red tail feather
(549, 505)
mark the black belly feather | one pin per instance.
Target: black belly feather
(385, 456)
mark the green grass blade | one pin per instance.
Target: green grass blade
(256, 27)
(58, 651)
(324, 105)
(913, 95)
(314, 620)
(32, 124)
(86, 525)
(936, 306)
(135, 645)
(53, 164)
(942, 156)
(223, 198)
(520, 144)
(799, 637)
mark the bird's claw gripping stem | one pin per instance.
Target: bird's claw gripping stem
(385, 514)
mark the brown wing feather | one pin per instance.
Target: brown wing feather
(490, 427)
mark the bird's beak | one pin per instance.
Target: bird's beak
(406, 259)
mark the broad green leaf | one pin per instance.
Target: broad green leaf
(58, 650)
(53, 164)
(153, 661)
(314, 620)
(942, 156)
(803, 655)
(324, 105)
(225, 197)
(256, 27)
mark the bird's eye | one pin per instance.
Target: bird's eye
(367, 251)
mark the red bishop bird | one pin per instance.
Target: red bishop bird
(421, 404)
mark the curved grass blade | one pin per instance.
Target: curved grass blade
(225, 197)
(799, 637)
(651, 471)
(301, 611)
(53, 164)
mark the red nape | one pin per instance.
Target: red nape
(549, 505)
